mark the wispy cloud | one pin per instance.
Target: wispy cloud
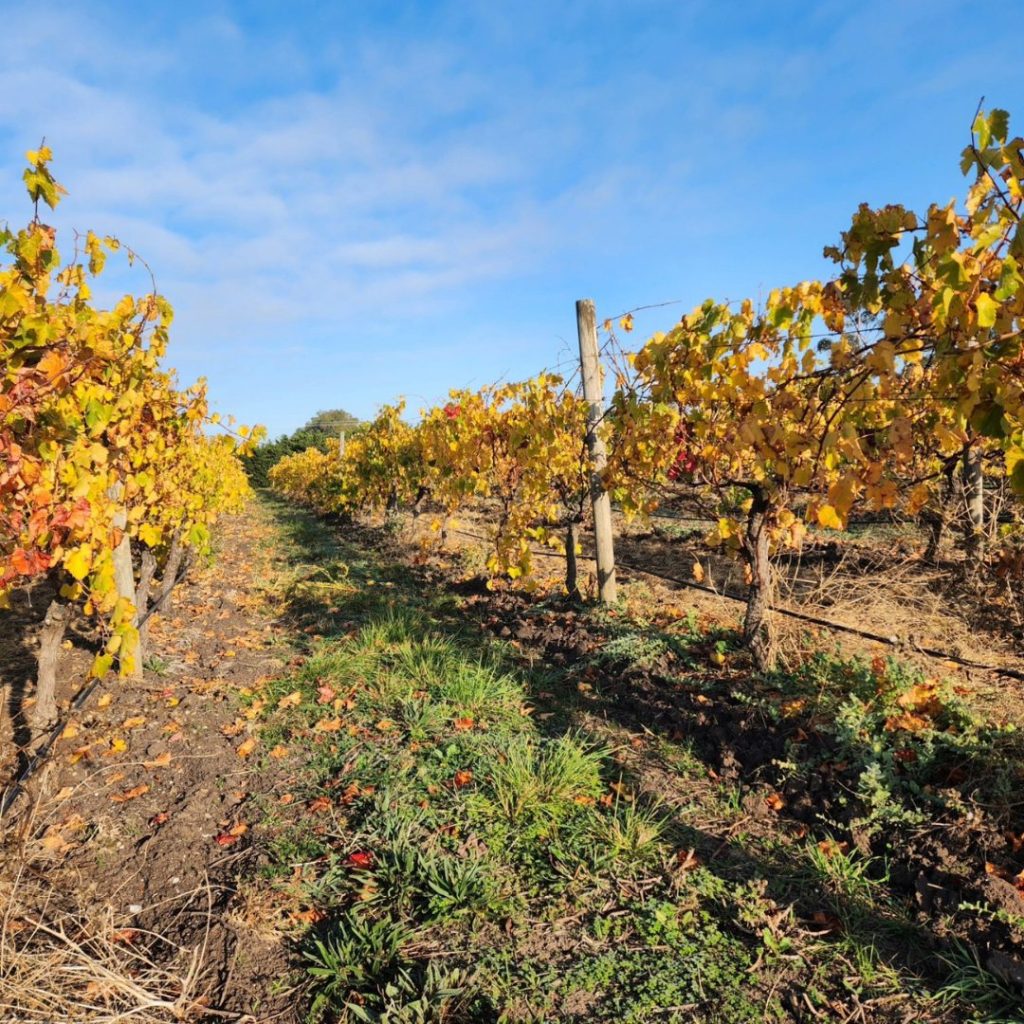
(311, 187)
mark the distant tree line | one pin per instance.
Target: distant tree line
(314, 434)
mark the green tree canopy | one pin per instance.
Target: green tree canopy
(332, 422)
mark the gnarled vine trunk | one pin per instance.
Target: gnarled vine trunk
(147, 570)
(939, 520)
(756, 623)
(974, 502)
(175, 554)
(572, 539)
(55, 624)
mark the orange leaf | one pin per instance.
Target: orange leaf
(279, 751)
(328, 725)
(246, 748)
(462, 778)
(292, 700)
(906, 723)
(463, 724)
(130, 794)
(920, 697)
(311, 916)
(687, 860)
(828, 921)
(775, 801)
(160, 761)
(829, 847)
(320, 804)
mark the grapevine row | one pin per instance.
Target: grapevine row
(895, 384)
(109, 481)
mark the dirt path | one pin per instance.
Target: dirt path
(137, 823)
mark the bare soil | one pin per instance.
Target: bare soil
(142, 807)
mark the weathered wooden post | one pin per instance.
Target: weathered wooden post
(593, 393)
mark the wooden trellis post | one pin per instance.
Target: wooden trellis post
(593, 393)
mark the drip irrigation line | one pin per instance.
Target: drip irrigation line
(792, 613)
(15, 789)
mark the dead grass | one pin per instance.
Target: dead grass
(62, 961)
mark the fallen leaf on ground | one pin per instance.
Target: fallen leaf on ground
(906, 723)
(311, 916)
(687, 860)
(246, 748)
(130, 794)
(829, 847)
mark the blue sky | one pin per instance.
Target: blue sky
(350, 201)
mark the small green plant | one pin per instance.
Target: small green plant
(642, 649)
(630, 833)
(541, 778)
(971, 984)
(356, 957)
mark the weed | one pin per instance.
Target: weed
(541, 778)
(971, 984)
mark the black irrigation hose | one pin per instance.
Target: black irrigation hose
(15, 789)
(931, 652)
